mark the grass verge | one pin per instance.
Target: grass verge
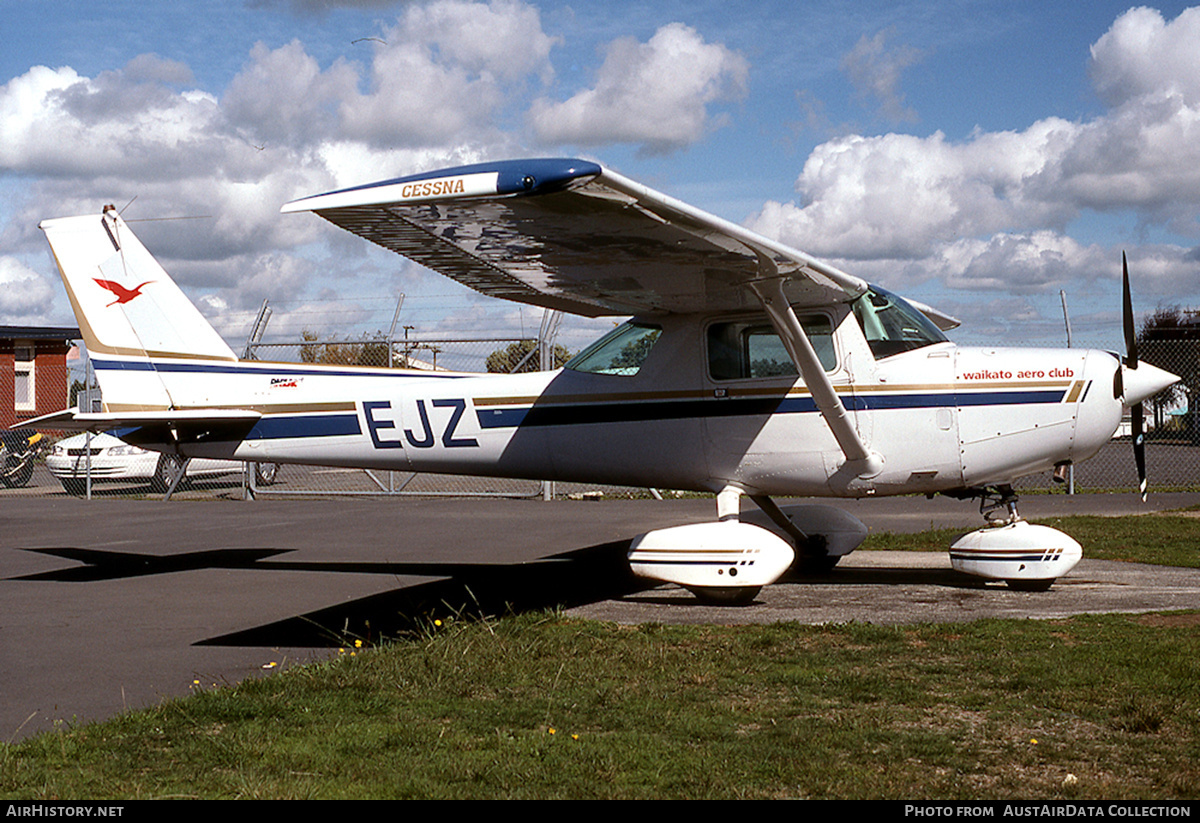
(539, 706)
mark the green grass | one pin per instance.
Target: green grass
(542, 706)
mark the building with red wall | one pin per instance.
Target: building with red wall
(34, 378)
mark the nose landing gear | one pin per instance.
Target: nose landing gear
(1027, 557)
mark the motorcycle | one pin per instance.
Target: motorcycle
(18, 449)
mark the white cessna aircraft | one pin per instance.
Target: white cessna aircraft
(749, 368)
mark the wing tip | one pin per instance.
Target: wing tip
(500, 178)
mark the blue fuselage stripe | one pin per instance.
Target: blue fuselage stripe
(1006, 557)
(576, 414)
(279, 427)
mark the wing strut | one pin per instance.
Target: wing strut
(769, 290)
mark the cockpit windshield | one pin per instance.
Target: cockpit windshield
(621, 351)
(892, 325)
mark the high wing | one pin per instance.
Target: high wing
(574, 236)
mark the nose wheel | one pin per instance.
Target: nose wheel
(1027, 557)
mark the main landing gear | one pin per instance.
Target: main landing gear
(729, 561)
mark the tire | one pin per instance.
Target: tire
(1030, 585)
(75, 486)
(17, 471)
(815, 564)
(265, 473)
(22, 475)
(725, 595)
(167, 468)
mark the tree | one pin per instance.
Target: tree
(366, 351)
(1170, 339)
(634, 353)
(77, 387)
(507, 360)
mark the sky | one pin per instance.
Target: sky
(982, 156)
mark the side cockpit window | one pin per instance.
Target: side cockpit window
(621, 351)
(751, 348)
(892, 325)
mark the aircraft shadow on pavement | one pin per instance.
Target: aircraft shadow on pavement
(460, 589)
(470, 590)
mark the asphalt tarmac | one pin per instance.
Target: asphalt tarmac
(112, 604)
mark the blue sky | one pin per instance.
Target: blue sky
(979, 156)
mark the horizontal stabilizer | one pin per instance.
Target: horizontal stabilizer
(74, 420)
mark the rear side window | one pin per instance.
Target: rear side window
(751, 348)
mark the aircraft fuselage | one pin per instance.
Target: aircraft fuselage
(941, 416)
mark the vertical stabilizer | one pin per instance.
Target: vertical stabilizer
(125, 302)
(129, 310)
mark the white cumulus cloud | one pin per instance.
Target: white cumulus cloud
(993, 210)
(25, 295)
(1142, 54)
(656, 94)
(445, 71)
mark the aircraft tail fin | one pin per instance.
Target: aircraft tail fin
(130, 312)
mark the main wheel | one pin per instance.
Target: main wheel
(815, 564)
(168, 466)
(725, 595)
(1031, 585)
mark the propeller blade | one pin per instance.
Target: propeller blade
(1131, 352)
(1137, 427)
(1142, 383)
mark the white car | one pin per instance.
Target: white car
(115, 460)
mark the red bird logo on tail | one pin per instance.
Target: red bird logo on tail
(123, 294)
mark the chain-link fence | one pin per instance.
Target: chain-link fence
(422, 354)
(409, 352)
